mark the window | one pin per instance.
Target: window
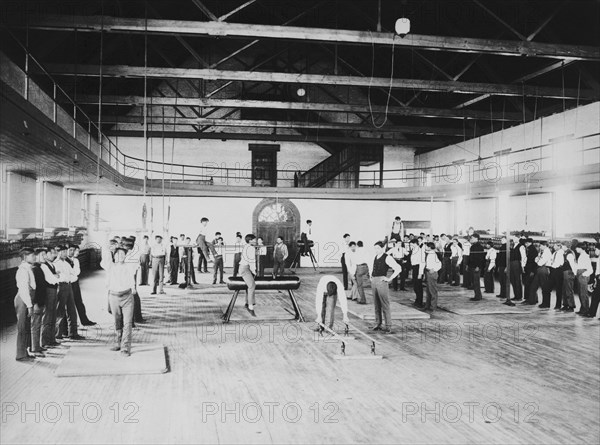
(264, 165)
(275, 213)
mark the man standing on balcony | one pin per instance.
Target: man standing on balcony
(201, 240)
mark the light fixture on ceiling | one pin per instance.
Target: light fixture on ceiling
(402, 26)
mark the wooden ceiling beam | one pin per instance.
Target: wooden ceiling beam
(276, 138)
(222, 29)
(110, 100)
(253, 123)
(128, 71)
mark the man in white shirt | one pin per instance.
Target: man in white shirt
(144, 260)
(359, 270)
(467, 274)
(77, 297)
(429, 270)
(66, 303)
(543, 260)
(329, 293)
(584, 271)
(24, 303)
(417, 259)
(379, 284)
(181, 250)
(397, 229)
(456, 259)
(596, 292)
(120, 283)
(201, 240)
(49, 318)
(569, 270)
(306, 237)
(280, 254)
(490, 265)
(158, 253)
(248, 271)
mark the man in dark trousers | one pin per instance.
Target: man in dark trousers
(501, 267)
(530, 268)
(476, 265)
(555, 281)
(173, 261)
(343, 260)
(49, 317)
(144, 261)
(24, 303)
(39, 302)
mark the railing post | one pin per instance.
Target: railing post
(89, 135)
(74, 121)
(54, 107)
(182, 173)
(26, 92)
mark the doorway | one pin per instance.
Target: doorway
(275, 217)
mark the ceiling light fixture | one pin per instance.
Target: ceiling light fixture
(402, 26)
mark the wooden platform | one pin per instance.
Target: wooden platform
(540, 369)
(84, 360)
(399, 311)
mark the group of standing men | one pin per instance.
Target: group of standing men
(48, 300)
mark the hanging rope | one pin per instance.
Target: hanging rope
(163, 166)
(144, 208)
(387, 103)
(172, 154)
(97, 209)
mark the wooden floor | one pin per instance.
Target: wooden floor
(523, 378)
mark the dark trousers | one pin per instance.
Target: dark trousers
(502, 280)
(442, 271)
(174, 269)
(49, 318)
(488, 280)
(23, 328)
(555, 282)
(262, 259)
(144, 268)
(400, 277)
(158, 270)
(568, 296)
(447, 278)
(236, 263)
(417, 286)
(432, 290)
(278, 267)
(515, 279)
(344, 271)
(455, 271)
(467, 275)
(528, 278)
(79, 303)
(202, 262)
(218, 268)
(595, 300)
(540, 279)
(203, 246)
(583, 292)
(477, 283)
(188, 269)
(65, 308)
(137, 308)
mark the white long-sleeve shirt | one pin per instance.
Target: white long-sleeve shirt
(431, 263)
(342, 302)
(584, 263)
(544, 258)
(523, 251)
(491, 257)
(158, 250)
(76, 267)
(120, 276)
(456, 252)
(65, 271)
(417, 255)
(25, 282)
(558, 259)
(249, 257)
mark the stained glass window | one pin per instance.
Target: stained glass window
(275, 213)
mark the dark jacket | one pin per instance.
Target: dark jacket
(477, 256)
(39, 296)
(501, 257)
(531, 266)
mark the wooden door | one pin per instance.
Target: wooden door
(277, 217)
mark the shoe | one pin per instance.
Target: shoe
(361, 302)
(222, 282)
(516, 299)
(154, 293)
(37, 354)
(418, 305)
(376, 328)
(387, 331)
(116, 348)
(569, 309)
(541, 306)
(403, 288)
(251, 311)
(500, 296)
(125, 352)
(581, 313)
(475, 299)
(558, 309)
(51, 345)
(59, 337)
(214, 282)
(89, 323)
(76, 337)
(25, 359)
(162, 292)
(246, 305)
(509, 303)
(426, 309)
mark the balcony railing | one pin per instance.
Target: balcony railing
(37, 86)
